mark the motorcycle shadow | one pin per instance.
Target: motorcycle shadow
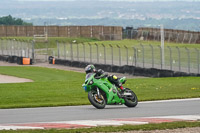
(110, 107)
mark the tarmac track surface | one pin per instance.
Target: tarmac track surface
(88, 112)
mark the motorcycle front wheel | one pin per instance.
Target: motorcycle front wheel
(97, 101)
(130, 101)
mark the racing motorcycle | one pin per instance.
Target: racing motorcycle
(103, 91)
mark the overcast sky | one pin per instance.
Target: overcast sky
(110, 0)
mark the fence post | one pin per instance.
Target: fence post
(191, 35)
(25, 44)
(97, 46)
(1, 45)
(8, 47)
(170, 54)
(65, 54)
(179, 58)
(33, 51)
(71, 52)
(126, 54)
(111, 53)
(183, 38)
(196, 39)
(119, 55)
(135, 56)
(154, 33)
(11, 47)
(188, 52)
(24, 49)
(77, 52)
(169, 37)
(104, 52)
(90, 52)
(177, 38)
(142, 55)
(197, 59)
(28, 49)
(58, 48)
(152, 55)
(160, 57)
(17, 43)
(83, 51)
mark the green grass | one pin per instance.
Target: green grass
(124, 128)
(52, 87)
(52, 41)
(131, 43)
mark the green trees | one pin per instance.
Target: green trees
(9, 20)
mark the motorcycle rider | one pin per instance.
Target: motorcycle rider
(90, 69)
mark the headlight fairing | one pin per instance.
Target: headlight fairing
(90, 82)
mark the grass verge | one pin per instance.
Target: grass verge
(52, 41)
(124, 128)
(52, 87)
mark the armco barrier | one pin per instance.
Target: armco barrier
(137, 71)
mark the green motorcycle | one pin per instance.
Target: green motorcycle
(101, 91)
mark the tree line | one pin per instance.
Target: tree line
(9, 20)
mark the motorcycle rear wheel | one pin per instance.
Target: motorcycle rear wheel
(130, 101)
(98, 103)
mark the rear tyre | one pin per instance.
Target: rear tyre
(130, 101)
(97, 102)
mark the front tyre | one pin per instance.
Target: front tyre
(130, 101)
(97, 102)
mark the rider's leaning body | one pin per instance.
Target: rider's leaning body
(90, 69)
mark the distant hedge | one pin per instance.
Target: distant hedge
(9, 20)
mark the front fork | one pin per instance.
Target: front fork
(98, 93)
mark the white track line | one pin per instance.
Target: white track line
(172, 100)
(101, 122)
(182, 117)
(18, 127)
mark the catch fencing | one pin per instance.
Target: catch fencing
(153, 34)
(14, 47)
(146, 56)
(22, 48)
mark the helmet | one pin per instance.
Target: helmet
(89, 69)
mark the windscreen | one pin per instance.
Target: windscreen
(88, 76)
